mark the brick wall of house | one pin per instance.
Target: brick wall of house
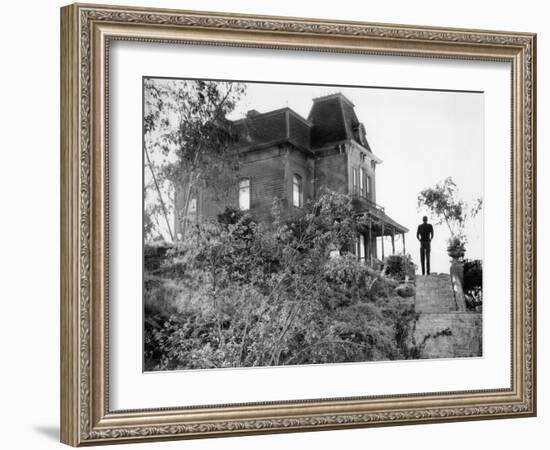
(331, 172)
(299, 164)
(266, 171)
(212, 203)
(270, 171)
(209, 203)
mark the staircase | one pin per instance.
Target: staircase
(434, 293)
(441, 331)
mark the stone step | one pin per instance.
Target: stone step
(434, 294)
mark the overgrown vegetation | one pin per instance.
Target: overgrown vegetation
(241, 293)
(399, 267)
(473, 284)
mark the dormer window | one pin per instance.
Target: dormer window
(362, 135)
(297, 191)
(359, 134)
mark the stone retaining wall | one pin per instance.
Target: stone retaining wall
(441, 329)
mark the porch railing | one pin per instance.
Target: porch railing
(366, 202)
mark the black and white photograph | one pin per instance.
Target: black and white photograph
(295, 224)
(275, 225)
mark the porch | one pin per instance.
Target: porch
(379, 234)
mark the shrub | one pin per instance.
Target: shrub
(398, 267)
(154, 253)
(473, 284)
(473, 275)
(237, 293)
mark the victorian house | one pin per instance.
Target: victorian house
(291, 158)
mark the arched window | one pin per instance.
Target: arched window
(244, 194)
(297, 191)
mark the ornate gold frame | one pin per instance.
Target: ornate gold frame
(86, 31)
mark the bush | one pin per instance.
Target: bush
(154, 254)
(237, 293)
(473, 284)
(473, 275)
(398, 267)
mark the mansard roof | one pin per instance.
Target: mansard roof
(334, 119)
(331, 119)
(280, 125)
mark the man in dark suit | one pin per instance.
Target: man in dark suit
(425, 234)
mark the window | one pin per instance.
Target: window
(244, 194)
(297, 191)
(355, 180)
(362, 182)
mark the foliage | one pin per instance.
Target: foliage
(455, 247)
(473, 283)
(399, 267)
(473, 274)
(188, 140)
(444, 206)
(238, 292)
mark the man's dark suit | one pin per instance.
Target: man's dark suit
(424, 234)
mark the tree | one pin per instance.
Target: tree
(444, 206)
(187, 139)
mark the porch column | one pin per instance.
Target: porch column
(382, 241)
(393, 241)
(404, 249)
(370, 242)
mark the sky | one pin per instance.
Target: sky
(422, 137)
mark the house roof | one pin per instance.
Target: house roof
(334, 119)
(329, 123)
(331, 119)
(391, 224)
(279, 125)
(378, 213)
